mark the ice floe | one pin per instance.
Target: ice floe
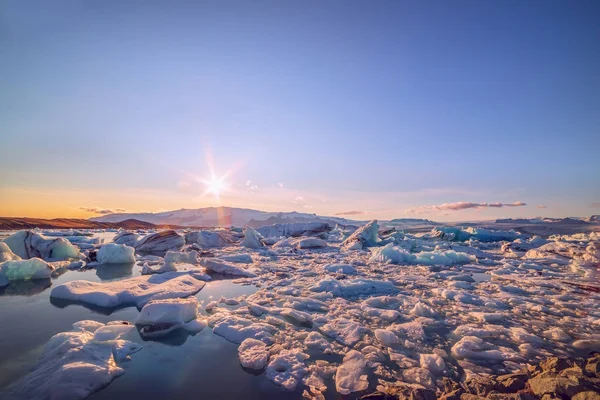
(113, 253)
(29, 244)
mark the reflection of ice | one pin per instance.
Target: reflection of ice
(26, 288)
(111, 272)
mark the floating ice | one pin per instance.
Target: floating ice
(357, 287)
(432, 362)
(253, 354)
(341, 268)
(287, 368)
(365, 236)
(350, 376)
(113, 253)
(6, 254)
(464, 234)
(252, 239)
(345, 331)
(24, 270)
(127, 238)
(160, 242)
(208, 239)
(472, 347)
(77, 363)
(221, 267)
(28, 244)
(295, 229)
(237, 329)
(133, 291)
(396, 255)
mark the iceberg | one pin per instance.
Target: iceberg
(160, 317)
(207, 239)
(365, 236)
(127, 238)
(395, 255)
(113, 253)
(6, 254)
(77, 363)
(24, 270)
(28, 244)
(160, 242)
(295, 229)
(456, 234)
(287, 368)
(133, 291)
(252, 239)
(356, 287)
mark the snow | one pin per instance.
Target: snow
(113, 253)
(24, 270)
(287, 368)
(133, 291)
(253, 354)
(28, 244)
(77, 363)
(221, 267)
(252, 239)
(351, 375)
(365, 236)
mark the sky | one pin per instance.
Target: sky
(369, 109)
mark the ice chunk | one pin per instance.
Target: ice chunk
(295, 229)
(391, 254)
(386, 337)
(365, 236)
(472, 347)
(168, 311)
(557, 334)
(396, 255)
(237, 329)
(28, 244)
(287, 368)
(253, 354)
(357, 287)
(423, 310)
(113, 253)
(208, 239)
(341, 268)
(134, 291)
(127, 238)
(309, 243)
(24, 270)
(351, 375)
(6, 254)
(221, 267)
(252, 239)
(160, 242)
(433, 362)
(77, 363)
(316, 341)
(463, 234)
(345, 331)
(243, 258)
(177, 257)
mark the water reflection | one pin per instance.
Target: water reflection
(109, 272)
(26, 288)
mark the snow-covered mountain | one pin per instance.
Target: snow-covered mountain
(219, 216)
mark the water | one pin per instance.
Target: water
(180, 365)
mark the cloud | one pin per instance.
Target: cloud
(102, 211)
(250, 186)
(351, 212)
(541, 206)
(595, 205)
(307, 206)
(280, 184)
(461, 205)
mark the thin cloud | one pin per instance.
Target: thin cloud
(541, 206)
(307, 206)
(102, 211)
(351, 212)
(461, 205)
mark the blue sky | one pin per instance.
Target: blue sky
(382, 107)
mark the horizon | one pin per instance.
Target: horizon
(362, 111)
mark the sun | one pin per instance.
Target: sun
(215, 186)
